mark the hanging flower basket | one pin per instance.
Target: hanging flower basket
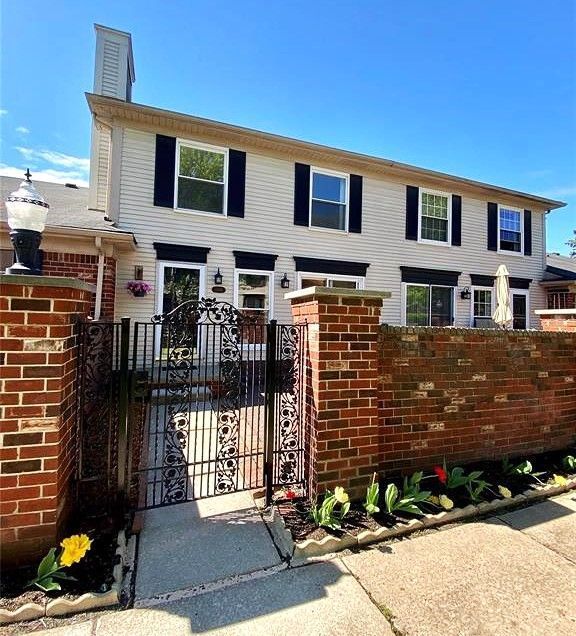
(138, 288)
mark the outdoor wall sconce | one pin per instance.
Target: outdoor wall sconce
(27, 211)
(138, 272)
(285, 282)
(218, 278)
(466, 294)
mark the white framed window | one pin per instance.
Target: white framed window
(510, 230)
(482, 306)
(328, 200)
(428, 305)
(434, 218)
(201, 178)
(310, 279)
(177, 283)
(520, 303)
(253, 293)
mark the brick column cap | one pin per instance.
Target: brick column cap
(554, 312)
(46, 281)
(317, 292)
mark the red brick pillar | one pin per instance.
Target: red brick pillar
(342, 403)
(38, 348)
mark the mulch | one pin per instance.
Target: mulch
(295, 512)
(93, 574)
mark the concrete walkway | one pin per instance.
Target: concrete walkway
(513, 575)
(200, 542)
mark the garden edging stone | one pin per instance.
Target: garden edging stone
(62, 606)
(311, 548)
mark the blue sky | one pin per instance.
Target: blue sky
(483, 89)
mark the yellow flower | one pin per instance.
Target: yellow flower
(559, 480)
(75, 547)
(446, 502)
(505, 492)
(434, 500)
(341, 495)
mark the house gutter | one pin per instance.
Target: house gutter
(99, 278)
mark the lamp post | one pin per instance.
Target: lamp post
(27, 211)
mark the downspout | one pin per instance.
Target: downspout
(99, 278)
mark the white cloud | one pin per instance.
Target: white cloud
(49, 165)
(3, 112)
(48, 174)
(55, 158)
(23, 130)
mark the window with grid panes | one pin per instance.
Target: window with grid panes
(434, 217)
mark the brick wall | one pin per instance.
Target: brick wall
(560, 321)
(37, 407)
(468, 394)
(84, 267)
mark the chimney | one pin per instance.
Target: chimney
(114, 68)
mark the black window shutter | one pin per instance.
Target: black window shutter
(164, 171)
(527, 233)
(355, 215)
(412, 196)
(301, 194)
(456, 219)
(236, 182)
(493, 227)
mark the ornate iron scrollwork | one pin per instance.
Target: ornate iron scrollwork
(288, 453)
(180, 341)
(97, 417)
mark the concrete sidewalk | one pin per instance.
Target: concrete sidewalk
(200, 542)
(514, 575)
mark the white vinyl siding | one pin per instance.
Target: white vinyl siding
(99, 167)
(110, 68)
(268, 226)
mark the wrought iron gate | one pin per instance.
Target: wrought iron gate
(202, 401)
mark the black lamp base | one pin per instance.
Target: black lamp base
(20, 268)
(26, 244)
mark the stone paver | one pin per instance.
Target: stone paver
(322, 599)
(481, 579)
(200, 542)
(551, 523)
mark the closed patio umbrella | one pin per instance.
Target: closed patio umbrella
(502, 315)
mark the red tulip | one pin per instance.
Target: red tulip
(441, 473)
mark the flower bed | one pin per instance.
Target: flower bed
(402, 506)
(98, 580)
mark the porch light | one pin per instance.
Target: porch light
(27, 211)
(466, 294)
(285, 282)
(218, 278)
